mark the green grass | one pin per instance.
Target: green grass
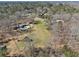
(2, 52)
(69, 53)
(40, 33)
(21, 45)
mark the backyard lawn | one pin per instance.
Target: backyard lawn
(40, 34)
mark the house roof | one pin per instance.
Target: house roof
(23, 26)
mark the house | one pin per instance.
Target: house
(23, 27)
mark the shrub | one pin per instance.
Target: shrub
(69, 53)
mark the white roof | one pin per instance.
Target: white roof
(59, 20)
